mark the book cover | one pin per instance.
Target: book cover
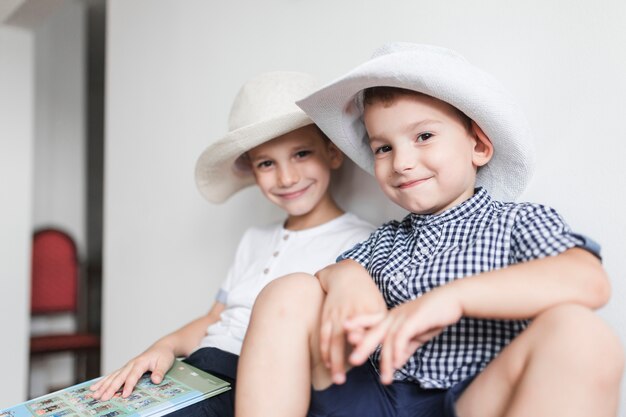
(182, 386)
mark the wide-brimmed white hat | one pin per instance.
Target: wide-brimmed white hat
(264, 109)
(441, 73)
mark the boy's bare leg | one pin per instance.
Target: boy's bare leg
(276, 367)
(568, 362)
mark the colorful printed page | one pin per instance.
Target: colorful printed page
(182, 386)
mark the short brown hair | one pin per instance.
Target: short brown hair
(321, 133)
(387, 96)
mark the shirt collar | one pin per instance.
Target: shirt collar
(469, 207)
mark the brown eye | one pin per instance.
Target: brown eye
(264, 164)
(424, 137)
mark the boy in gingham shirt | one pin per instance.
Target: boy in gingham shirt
(461, 277)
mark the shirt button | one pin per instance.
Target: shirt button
(424, 251)
(275, 254)
(285, 237)
(266, 270)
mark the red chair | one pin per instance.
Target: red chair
(54, 290)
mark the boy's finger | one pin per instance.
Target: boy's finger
(355, 336)
(407, 342)
(159, 371)
(337, 356)
(364, 321)
(386, 360)
(106, 382)
(131, 381)
(390, 347)
(410, 349)
(97, 384)
(405, 335)
(109, 391)
(325, 331)
(371, 339)
(401, 344)
(116, 383)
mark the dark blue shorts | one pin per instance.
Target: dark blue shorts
(223, 365)
(364, 395)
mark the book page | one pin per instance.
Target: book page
(183, 385)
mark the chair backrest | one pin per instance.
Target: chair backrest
(54, 272)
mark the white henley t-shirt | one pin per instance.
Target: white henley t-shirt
(269, 252)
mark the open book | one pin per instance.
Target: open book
(182, 386)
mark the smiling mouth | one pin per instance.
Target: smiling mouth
(294, 194)
(412, 183)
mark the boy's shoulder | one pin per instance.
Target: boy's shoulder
(261, 231)
(508, 212)
(346, 223)
(350, 220)
(347, 226)
(525, 219)
(526, 210)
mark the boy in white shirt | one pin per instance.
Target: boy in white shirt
(272, 143)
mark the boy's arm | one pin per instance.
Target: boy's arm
(524, 290)
(519, 291)
(158, 358)
(350, 291)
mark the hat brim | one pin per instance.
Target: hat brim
(446, 76)
(218, 175)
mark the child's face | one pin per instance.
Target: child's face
(293, 171)
(425, 157)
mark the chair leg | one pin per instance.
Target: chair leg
(92, 365)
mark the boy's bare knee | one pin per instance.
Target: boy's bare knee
(291, 286)
(297, 293)
(584, 341)
(566, 321)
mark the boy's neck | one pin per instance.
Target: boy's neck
(480, 197)
(460, 199)
(325, 211)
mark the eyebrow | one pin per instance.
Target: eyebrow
(258, 157)
(305, 144)
(411, 127)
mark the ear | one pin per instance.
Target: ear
(335, 156)
(483, 148)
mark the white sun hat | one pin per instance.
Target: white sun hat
(441, 73)
(264, 109)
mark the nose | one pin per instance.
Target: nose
(403, 160)
(287, 176)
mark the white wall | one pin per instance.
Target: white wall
(16, 146)
(59, 161)
(174, 68)
(59, 194)
(43, 169)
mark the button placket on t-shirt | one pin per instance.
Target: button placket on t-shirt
(281, 244)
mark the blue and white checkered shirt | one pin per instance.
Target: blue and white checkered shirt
(409, 258)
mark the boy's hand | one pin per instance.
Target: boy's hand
(350, 292)
(158, 359)
(404, 329)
